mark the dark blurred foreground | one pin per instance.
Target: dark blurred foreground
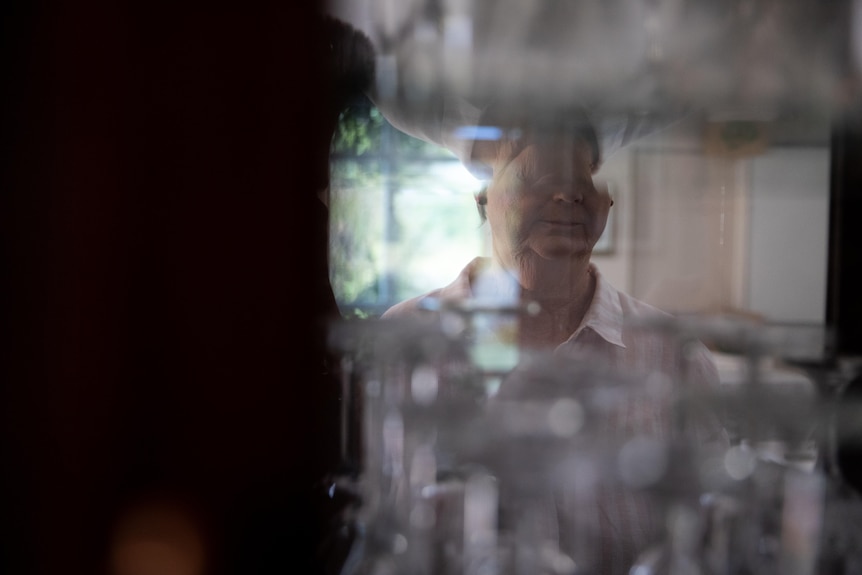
(162, 404)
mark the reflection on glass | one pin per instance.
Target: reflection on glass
(402, 215)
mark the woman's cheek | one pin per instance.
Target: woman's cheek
(509, 198)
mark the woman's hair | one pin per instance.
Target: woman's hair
(520, 121)
(351, 62)
(348, 73)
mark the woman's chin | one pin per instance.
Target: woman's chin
(563, 249)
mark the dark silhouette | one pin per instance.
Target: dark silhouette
(161, 279)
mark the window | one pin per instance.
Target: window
(403, 219)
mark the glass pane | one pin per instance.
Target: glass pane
(403, 217)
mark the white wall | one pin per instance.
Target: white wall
(789, 223)
(689, 230)
(616, 266)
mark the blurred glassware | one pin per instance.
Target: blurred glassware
(473, 467)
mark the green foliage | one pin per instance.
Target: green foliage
(356, 229)
(359, 130)
(357, 313)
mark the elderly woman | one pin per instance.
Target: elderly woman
(545, 215)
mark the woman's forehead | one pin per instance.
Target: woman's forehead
(549, 151)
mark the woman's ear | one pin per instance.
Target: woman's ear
(481, 202)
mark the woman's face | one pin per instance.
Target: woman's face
(542, 203)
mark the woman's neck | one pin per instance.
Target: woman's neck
(563, 292)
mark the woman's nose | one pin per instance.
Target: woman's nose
(571, 192)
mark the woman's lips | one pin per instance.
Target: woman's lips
(565, 223)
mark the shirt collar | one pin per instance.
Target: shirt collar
(605, 313)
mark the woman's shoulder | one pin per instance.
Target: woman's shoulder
(414, 307)
(629, 306)
(634, 307)
(459, 289)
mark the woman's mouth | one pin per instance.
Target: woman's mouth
(564, 223)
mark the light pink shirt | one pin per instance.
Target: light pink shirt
(602, 527)
(609, 332)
